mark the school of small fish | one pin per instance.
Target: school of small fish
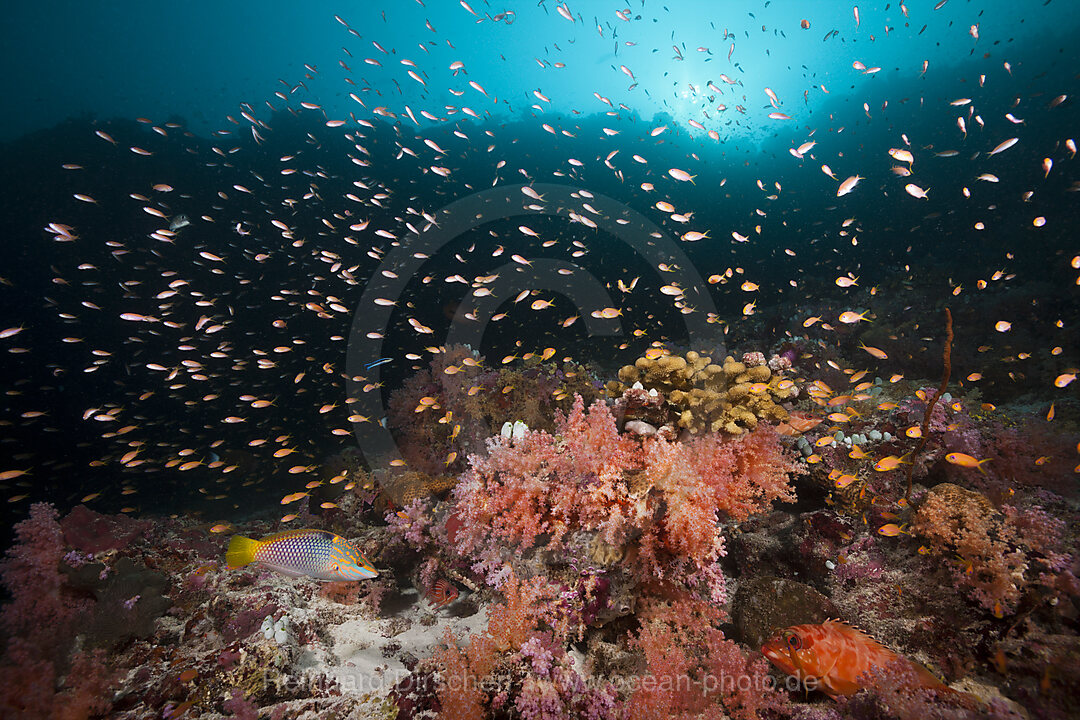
(226, 320)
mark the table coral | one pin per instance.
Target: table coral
(706, 397)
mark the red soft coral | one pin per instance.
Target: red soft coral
(714, 475)
(595, 443)
(91, 532)
(505, 493)
(662, 502)
(963, 525)
(28, 687)
(39, 622)
(746, 473)
(511, 623)
(693, 670)
(689, 525)
(87, 688)
(741, 683)
(538, 484)
(459, 693)
(666, 688)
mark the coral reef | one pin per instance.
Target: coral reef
(621, 560)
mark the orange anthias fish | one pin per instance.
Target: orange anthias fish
(964, 460)
(832, 656)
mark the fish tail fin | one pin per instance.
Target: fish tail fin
(241, 551)
(980, 464)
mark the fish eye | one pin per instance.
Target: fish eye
(794, 641)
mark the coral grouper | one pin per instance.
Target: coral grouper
(833, 655)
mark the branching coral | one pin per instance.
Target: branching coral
(706, 397)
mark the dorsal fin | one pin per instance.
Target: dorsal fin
(844, 625)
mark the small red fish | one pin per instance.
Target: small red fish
(803, 422)
(442, 593)
(832, 655)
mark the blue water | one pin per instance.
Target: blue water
(200, 59)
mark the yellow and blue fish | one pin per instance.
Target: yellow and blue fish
(318, 554)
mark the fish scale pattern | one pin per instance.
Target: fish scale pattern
(311, 552)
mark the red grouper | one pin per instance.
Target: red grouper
(318, 554)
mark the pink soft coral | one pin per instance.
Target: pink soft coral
(39, 622)
(693, 671)
(689, 524)
(39, 609)
(538, 485)
(661, 502)
(747, 473)
(711, 477)
(594, 442)
(505, 493)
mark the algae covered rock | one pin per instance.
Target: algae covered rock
(764, 604)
